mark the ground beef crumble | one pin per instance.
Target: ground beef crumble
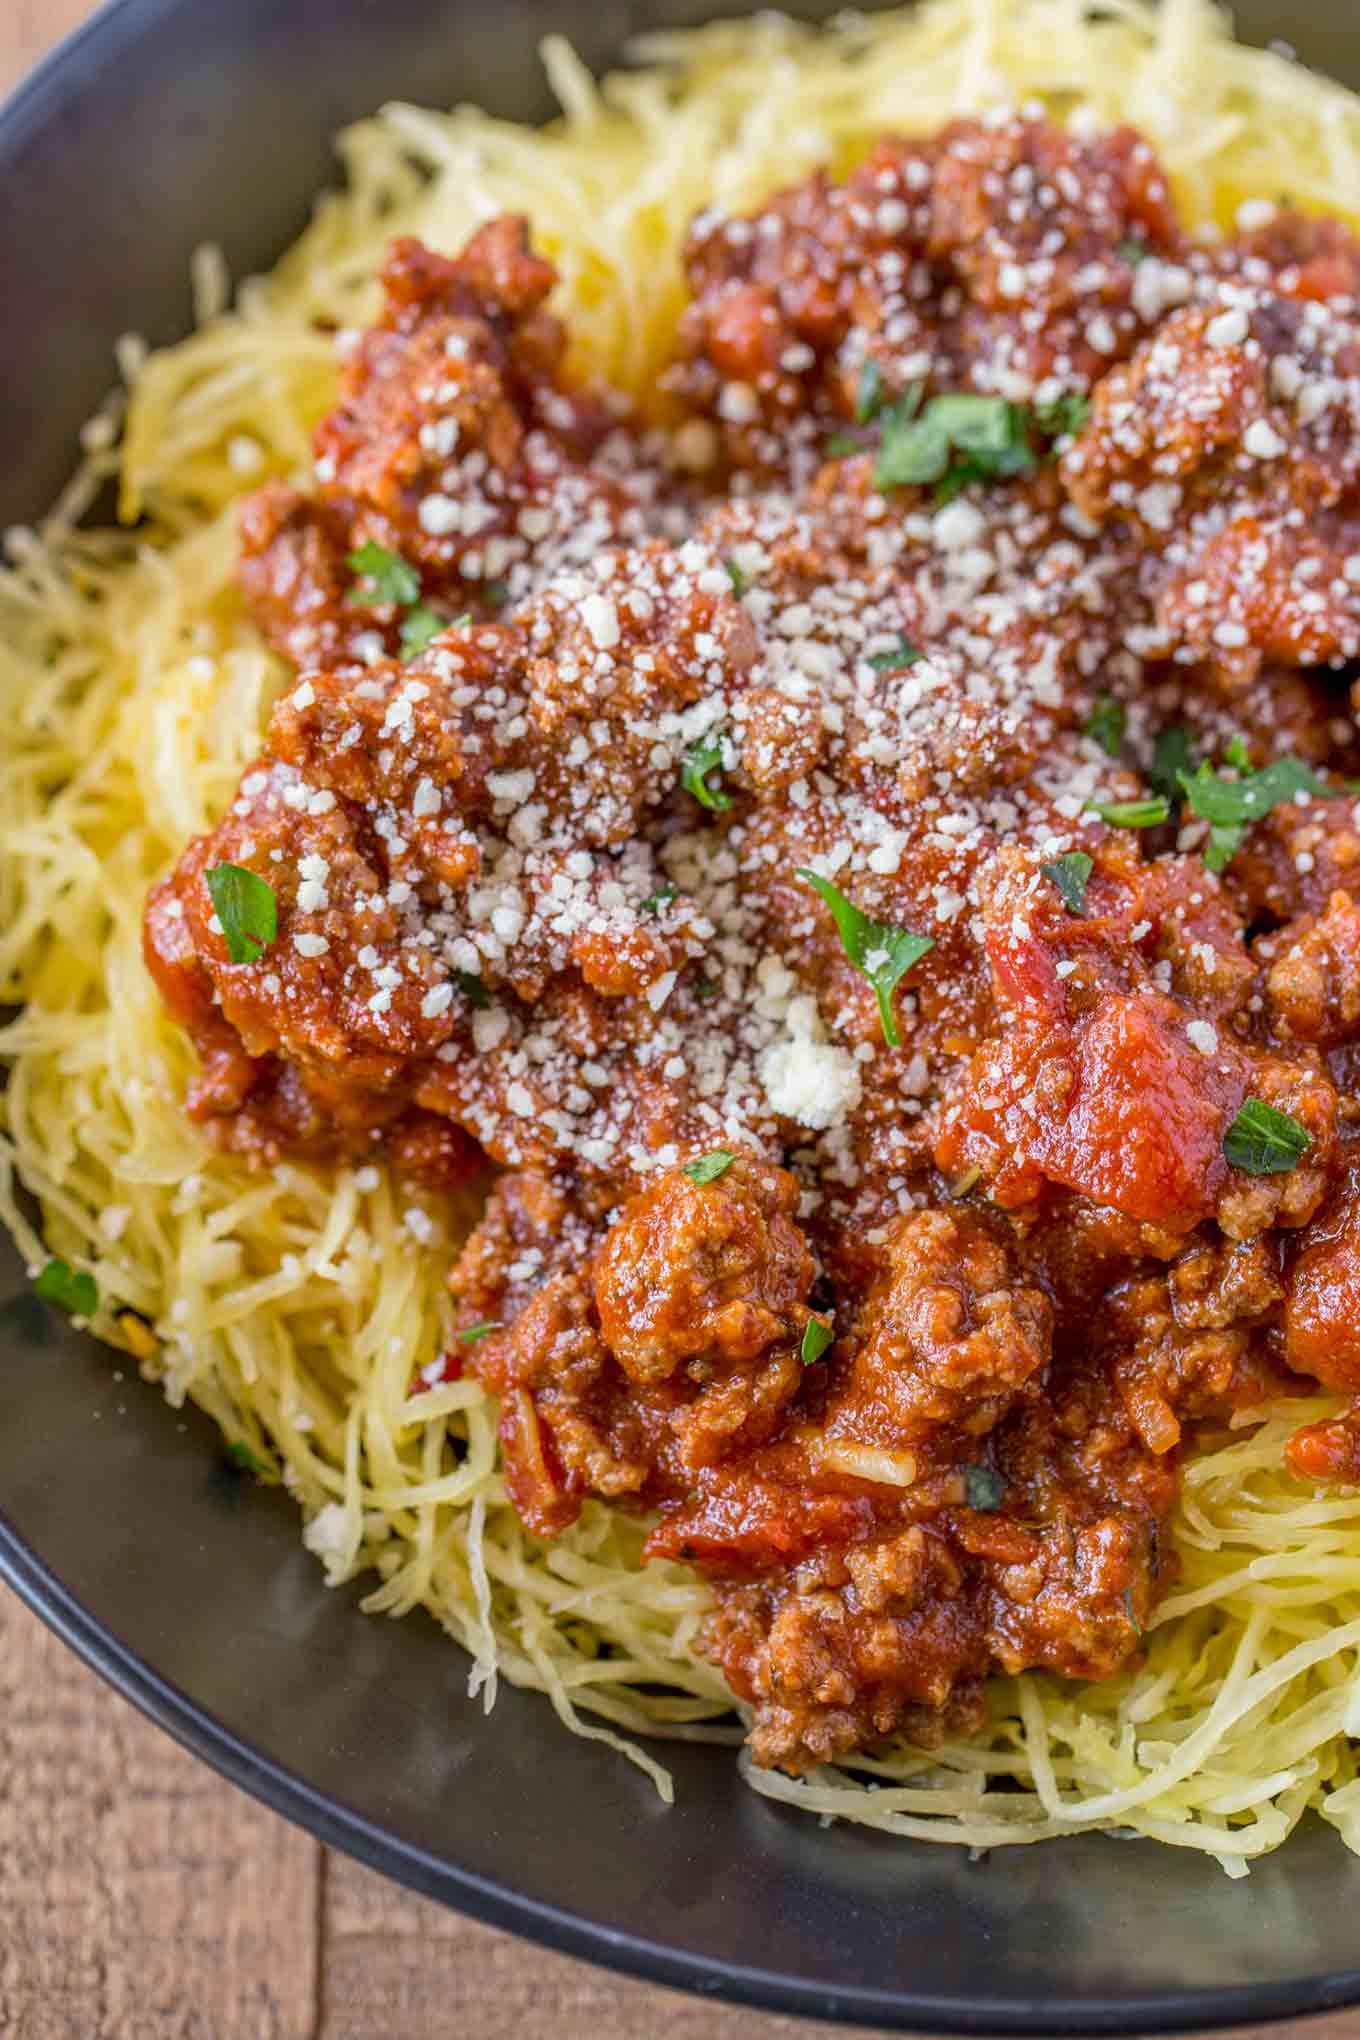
(905, 1364)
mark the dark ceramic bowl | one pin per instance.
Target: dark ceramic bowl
(163, 123)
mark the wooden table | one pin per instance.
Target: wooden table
(143, 1899)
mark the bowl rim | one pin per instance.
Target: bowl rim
(205, 1735)
(114, 24)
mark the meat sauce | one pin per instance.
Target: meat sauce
(891, 1278)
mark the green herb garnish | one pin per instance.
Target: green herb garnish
(390, 578)
(868, 392)
(1172, 757)
(472, 988)
(1230, 806)
(1132, 250)
(495, 594)
(740, 581)
(472, 1335)
(249, 1461)
(1106, 724)
(1131, 814)
(816, 1338)
(705, 988)
(69, 1288)
(1070, 874)
(1263, 1141)
(1064, 417)
(903, 654)
(246, 910)
(840, 444)
(708, 1168)
(955, 440)
(654, 902)
(703, 757)
(882, 953)
(419, 627)
(983, 1488)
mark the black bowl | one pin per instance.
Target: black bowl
(163, 123)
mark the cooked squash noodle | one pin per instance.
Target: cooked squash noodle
(299, 1307)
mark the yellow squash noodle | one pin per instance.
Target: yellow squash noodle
(299, 1307)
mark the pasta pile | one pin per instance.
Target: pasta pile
(299, 1307)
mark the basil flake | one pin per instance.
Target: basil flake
(1106, 724)
(1263, 1141)
(1131, 814)
(956, 439)
(1069, 874)
(1171, 757)
(816, 1338)
(1064, 417)
(390, 578)
(983, 1488)
(882, 953)
(903, 654)
(703, 757)
(1230, 806)
(69, 1288)
(708, 1168)
(869, 392)
(472, 988)
(419, 627)
(246, 909)
(472, 1335)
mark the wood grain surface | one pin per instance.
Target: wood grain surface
(144, 1899)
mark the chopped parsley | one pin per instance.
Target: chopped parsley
(1172, 756)
(868, 393)
(73, 1289)
(816, 1338)
(472, 1335)
(419, 627)
(1106, 724)
(1230, 806)
(495, 594)
(654, 902)
(740, 581)
(1263, 1141)
(954, 440)
(1132, 250)
(1131, 814)
(705, 988)
(708, 1168)
(882, 953)
(903, 654)
(983, 1488)
(1069, 874)
(840, 444)
(248, 1461)
(965, 436)
(472, 988)
(246, 909)
(1064, 417)
(388, 576)
(703, 757)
